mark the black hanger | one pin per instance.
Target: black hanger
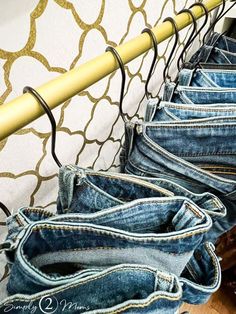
(122, 69)
(42, 102)
(166, 69)
(154, 43)
(5, 209)
(181, 56)
(212, 25)
(202, 5)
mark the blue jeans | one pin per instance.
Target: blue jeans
(198, 95)
(198, 156)
(86, 191)
(218, 49)
(128, 289)
(162, 233)
(208, 78)
(168, 111)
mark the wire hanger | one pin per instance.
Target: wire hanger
(122, 69)
(5, 209)
(212, 25)
(194, 31)
(151, 70)
(166, 69)
(202, 5)
(42, 102)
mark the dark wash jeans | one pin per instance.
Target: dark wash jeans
(168, 111)
(71, 271)
(218, 49)
(128, 289)
(198, 156)
(198, 95)
(87, 191)
(208, 78)
(162, 234)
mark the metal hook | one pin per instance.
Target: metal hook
(202, 5)
(122, 69)
(42, 102)
(154, 43)
(5, 209)
(174, 24)
(211, 27)
(181, 56)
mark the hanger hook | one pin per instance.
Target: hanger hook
(181, 56)
(42, 102)
(202, 5)
(211, 27)
(154, 44)
(122, 69)
(175, 26)
(5, 209)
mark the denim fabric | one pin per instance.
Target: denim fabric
(129, 289)
(167, 111)
(218, 49)
(78, 187)
(121, 289)
(160, 234)
(198, 156)
(207, 78)
(198, 95)
(87, 191)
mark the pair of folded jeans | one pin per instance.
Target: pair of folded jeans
(126, 289)
(55, 254)
(219, 49)
(168, 111)
(199, 156)
(63, 255)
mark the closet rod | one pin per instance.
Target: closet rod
(24, 109)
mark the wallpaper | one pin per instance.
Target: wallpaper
(40, 40)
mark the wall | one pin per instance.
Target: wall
(40, 40)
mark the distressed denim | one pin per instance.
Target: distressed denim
(84, 190)
(218, 49)
(167, 111)
(195, 155)
(128, 289)
(207, 78)
(198, 95)
(120, 289)
(160, 234)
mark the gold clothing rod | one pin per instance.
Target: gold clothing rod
(24, 109)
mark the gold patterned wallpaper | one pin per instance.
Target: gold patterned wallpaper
(39, 40)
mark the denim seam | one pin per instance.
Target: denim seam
(101, 192)
(208, 80)
(170, 158)
(126, 180)
(191, 125)
(214, 262)
(201, 109)
(144, 304)
(145, 239)
(171, 115)
(87, 280)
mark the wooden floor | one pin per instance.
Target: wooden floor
(221, 302)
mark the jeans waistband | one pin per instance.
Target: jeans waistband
(146, 238)
(198, 95)
(118, 289)
(167, 111)
(207, 78)
(88, 191)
